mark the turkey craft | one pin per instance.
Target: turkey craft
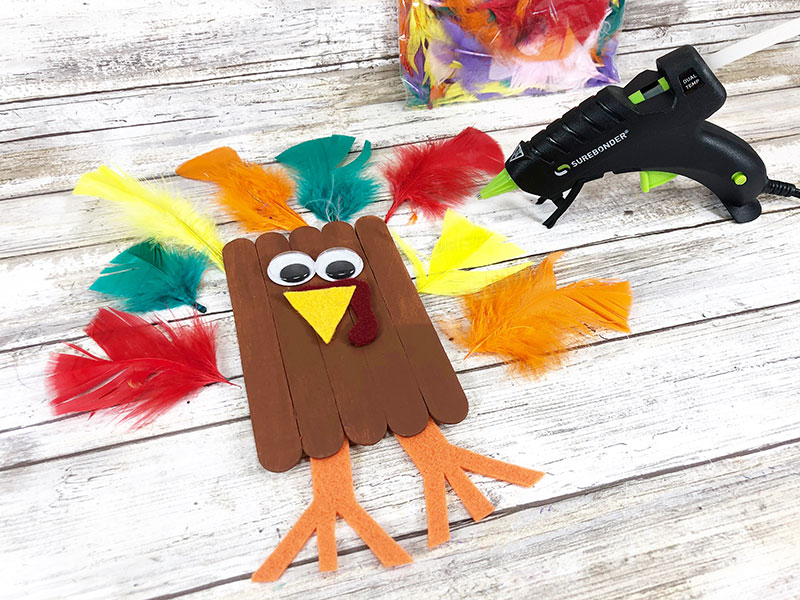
(336, 347)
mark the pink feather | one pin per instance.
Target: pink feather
(571, 71)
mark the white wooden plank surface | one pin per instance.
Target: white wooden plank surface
(592, 546)
(146, 129)
(755, 280)
(669, 400)
(660, 482)
(62, 220)
(102, 47)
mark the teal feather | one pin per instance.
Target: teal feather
(331, 192)
(149, 276)
(611, 24)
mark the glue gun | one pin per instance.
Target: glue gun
(655, 125)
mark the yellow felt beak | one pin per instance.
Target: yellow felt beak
(322, 309)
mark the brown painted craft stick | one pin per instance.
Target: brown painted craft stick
(398, 395)
(354, 387)
(435, 375)
(317, 417)
(271, 412)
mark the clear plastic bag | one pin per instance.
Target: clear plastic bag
(466, 50)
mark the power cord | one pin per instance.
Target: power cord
(781, 188)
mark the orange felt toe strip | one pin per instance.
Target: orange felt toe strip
(332, 481)
(437, 460)
(474, 501)
(288, 548)
(389, 552)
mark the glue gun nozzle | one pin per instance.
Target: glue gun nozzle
(501, 184)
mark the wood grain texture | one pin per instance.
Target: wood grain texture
(271, 411)
(75, 221)
(610, 209)
(583, 437)
(674, 278)
(720, 529)
(661, 481)
(397, 393)
(210, 43)
(354, 386)
(312, 396)
(433, 371)
(149, 128)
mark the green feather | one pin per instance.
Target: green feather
(331, 193)
(149, 276)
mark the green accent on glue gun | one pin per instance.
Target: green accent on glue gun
(501, 184)
(739, 178)
(652, 179)
(636, 97)
(640, 96)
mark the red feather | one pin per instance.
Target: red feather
(521, 20)
(150, 367)
(438, 175)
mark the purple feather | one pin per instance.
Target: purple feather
(415, 83)
(475, 66)
(469, 52)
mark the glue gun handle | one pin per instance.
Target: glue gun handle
(725, 164)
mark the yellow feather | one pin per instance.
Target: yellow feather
(419, 268)
(418, 22)
(460, 283)
(424, 29)
(462, 245)
(154, 212)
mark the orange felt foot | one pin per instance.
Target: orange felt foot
(332, 481)
(437, 460)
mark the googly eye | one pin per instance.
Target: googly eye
(291, 268)
(338, 263)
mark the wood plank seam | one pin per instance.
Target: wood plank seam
(498, 365)
(391, 57)
(711, 21)
(375, 147)
(640, 334)
(170, 178)
(534, 256)
(223, 222)
(100, 129)
(505, 512)
(191, 82)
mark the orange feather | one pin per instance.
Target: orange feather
(531, 322)
(253, 195)
(475, 21)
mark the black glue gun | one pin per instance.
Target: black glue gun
(655, 125)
